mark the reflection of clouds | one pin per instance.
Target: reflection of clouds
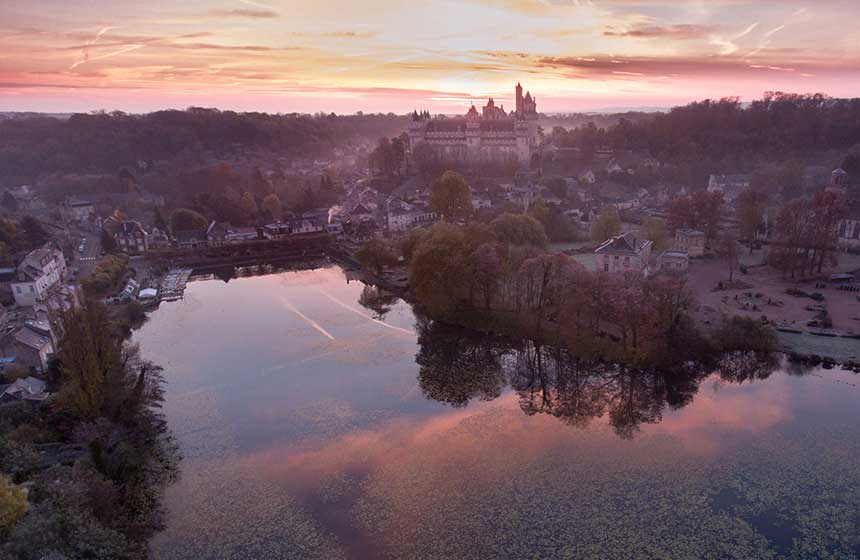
(714, 418)
(727, 411)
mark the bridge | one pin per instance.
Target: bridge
(246, 253)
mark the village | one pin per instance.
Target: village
(131, 249)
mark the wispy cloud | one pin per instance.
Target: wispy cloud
(682, 31)
(245, 13)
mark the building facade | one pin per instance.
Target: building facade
(41, 271)
(624, 253)
(491, 135)
(692, 241)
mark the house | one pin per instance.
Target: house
(23, 196)
(41, 271)
(404, 219)
(690, 240)
(239, 235)
(26, 389)
(32, 345)
(673, 261)
(731, 186)
(190, 238)
(290, 227)
(79, 209)
(216, 233)
(157, 239)
(131, 238)
(623, 253)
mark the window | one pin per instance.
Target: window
(18, 289)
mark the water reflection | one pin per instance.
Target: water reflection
(406, 438)
(458, 365)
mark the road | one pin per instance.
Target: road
(86, 261)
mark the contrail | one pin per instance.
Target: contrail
(746, 31)
(307, 319)
(365, 315)
(85, 52)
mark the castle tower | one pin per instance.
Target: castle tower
(519, 98)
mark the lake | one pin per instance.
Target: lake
(318, 418)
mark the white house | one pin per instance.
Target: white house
(403, 219)
(40, 272)
(78, 209)
(623, 253)
(673, 261)
(690, 240)
(730, 186)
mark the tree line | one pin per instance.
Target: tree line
(97, 142)
(82, 475)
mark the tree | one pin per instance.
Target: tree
(248, 204)
(518, 229)
(681, 214)
(13, 504)
(272, 205)
(655, 231)
(751, 207)
(728, 249)
(258, 184)
(32, 232)
(607, 225)
(451, 197)
(708, 207)
(486, 271)
(439, 271)
(375, 254)
(184, 219)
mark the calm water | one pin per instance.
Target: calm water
(312, 429)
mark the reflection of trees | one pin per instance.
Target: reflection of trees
(557, 382)
(457, 365)
(738, 367)
(377, 300)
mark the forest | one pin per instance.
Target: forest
(107, 142)
(728, 136)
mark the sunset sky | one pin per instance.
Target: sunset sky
(387, 55)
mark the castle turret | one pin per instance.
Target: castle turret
(519, 98)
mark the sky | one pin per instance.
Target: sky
(344, 56)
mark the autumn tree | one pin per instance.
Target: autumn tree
(248, 203)
(608, 224)
(751, 206)
(272, 205)
(451, 197)
(13, 504)
(518, 229)
(708, 208)
(728, 250)
(655, 231)
(184, 219)
(439, 270)
(681, 214)
(375, 254)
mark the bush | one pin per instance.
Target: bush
(106, 276)
(745, 334)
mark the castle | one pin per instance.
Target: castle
(491, 135)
